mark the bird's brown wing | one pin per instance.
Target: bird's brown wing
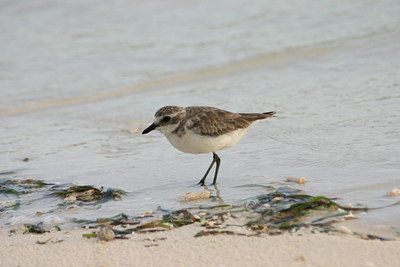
(214, 122)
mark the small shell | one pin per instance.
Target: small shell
(338, 220)
(195, 196)
(267, 206)
(209, 224)
(147, 213)
(344, 230)
(70, 199)
(393, 193)
(301, 180)
(350, 216)
(275, 199)
(348, 206)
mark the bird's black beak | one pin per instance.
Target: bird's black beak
(150, 128)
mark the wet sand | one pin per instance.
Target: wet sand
(242, 66)
(179, 247)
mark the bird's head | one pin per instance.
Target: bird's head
(166, 119)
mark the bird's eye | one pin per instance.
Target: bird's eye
(166, 118)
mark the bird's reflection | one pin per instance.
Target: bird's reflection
(217, 193)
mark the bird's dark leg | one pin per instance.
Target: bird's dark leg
(208, 170)
(218, 160)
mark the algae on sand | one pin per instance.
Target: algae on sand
(88, 193)
(20, 186)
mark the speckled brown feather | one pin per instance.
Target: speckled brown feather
(209, 121)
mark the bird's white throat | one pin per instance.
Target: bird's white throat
(167, 129)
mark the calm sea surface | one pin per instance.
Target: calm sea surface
(79, 80)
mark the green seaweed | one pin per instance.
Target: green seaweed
(117, 219)
(179, 218)
(34, 229)
(290, 211)
(20, 186)
(297, 209)
(10, 205)
(10, 191)
(88, 193)
(214, 232)
(16, 206)
(176, 222)
(91, 235)
(122, 233)
(63, 193)
(43, 242)
(287, 225)
(87, 221)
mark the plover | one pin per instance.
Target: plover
(201, 129)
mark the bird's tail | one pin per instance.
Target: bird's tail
(257, 116)
(270, 114)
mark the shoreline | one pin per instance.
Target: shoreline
(180, 248)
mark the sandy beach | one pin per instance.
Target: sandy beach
(274, 229)
(179, 247)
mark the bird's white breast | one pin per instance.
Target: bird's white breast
(196, 144)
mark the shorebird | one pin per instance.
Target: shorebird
(200, 129)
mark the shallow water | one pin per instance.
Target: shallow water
(81, 80)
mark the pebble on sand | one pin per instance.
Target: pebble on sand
(301, 258)
(195, 196)
(105, 233)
